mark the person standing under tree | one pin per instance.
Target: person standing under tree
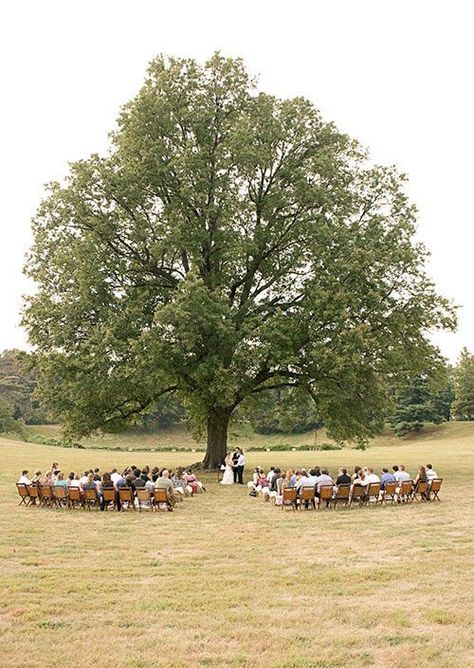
(235, 459)
(240, 466)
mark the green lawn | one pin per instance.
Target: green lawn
(227, 580)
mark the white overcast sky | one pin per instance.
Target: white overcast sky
(397, 75)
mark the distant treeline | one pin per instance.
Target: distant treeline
(425, 398)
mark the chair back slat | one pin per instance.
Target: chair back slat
(289, 494)
(160, 496)
(143, 494)
(46, 492)
(374, 489)
(126, 494)
(74, 494)
(325, 492)
(307, 493)
(108, 493)
(422, 487)
(406, 487)
(436, 484)
(390, 488)
(33, 491)
(22, 490)
(90, 495)
(60, 492)
(343, 492)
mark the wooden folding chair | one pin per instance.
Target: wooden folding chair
(389, 492)
(91, 499)
(359, 493)
(60, 496)
(110, 496)
(405, 491)
(325, 495)
(46, 495)
(75, 498)
(144, 498)
(126, 497)
(290, 498)
(420, 490)
(373, 492)
(34, 494)
(435, 486)
(24, 495)
(341, 495)
(160, 499)
(307, 500)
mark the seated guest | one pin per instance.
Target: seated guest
(400, 474)
(430, 473)
(420, 476)
(46, 479)
(36, 478)
(385, 478)
(343, 478)
(360, 479)
(312, 478)
(23, 479)
(91, 484)
(302, 481)
(96, 474)
(139, 481)
(115, 477)
(60, 481)
(271, 491)
(271, 474)
(371, 476)
(83, 480)
(323, 479)
(191, 482)
(106, 483)
(356, 473)
(73, 480)
(164, 482)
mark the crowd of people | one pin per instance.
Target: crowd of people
(178, 483)
(270, 485)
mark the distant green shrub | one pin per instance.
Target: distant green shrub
(329, 446)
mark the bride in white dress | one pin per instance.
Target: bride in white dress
(228, 477)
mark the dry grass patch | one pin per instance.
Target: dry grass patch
(227, 580)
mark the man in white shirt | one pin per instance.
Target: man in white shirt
(323, 479)
(83, 481)
(24, 480)
(400, 474)
(430, 474)
(371, 477)
(115, 477)
(240, 467)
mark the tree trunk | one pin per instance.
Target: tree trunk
(217, 424)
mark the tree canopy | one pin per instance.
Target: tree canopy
(230, 242)
(463, 406)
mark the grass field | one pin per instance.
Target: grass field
(228, 580)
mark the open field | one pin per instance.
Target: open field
(228, 580)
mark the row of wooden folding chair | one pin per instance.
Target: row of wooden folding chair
(72, 497)
(364, 495)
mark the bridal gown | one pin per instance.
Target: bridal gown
(228, 477)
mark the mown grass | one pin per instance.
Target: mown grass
(228, 580)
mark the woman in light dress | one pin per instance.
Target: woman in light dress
(228, 477)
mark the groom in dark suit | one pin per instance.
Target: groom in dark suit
(235, 459)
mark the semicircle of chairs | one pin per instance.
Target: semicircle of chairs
(112, 499)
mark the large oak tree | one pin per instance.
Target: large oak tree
(230, 242)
